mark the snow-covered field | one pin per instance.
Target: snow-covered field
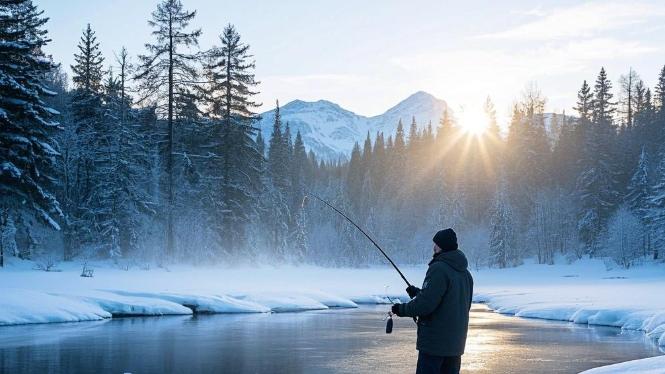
(653, 365)
(584, 292)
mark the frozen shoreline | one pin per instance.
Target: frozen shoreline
(652, 365)
(584, 292)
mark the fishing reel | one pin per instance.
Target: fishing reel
(389, 323)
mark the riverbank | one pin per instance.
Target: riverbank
(583, 292)
(652, 365)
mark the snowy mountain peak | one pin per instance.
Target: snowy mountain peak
(330, 130)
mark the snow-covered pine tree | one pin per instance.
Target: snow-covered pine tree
(229, 93)
(493, 129)
(659, 90)
(502, 235)
(566, 153)
(603, 107)
(597, 184)
(26, 140)
(87, 120)
(378, 166)
(165, 73)
(278, 154)
(637, 198)
(119, 195)
(300, 241)
(623, 240)
(529, 169)
(354, 179)
(657, 209)
(299, 166)
(584, 105)
(277, 188)
(261, 145)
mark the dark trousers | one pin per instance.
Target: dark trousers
(428, 364)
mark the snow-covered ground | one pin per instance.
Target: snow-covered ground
(584, 292)
(653, 365)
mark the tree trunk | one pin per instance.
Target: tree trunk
(169, 151)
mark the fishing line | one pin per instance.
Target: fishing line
(389, 323)
(359, 229)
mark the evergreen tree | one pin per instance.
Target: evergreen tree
(413, 133)
(502, 236)
(584, 106)
(355, 178)
(660, 93)
(602, 105)
(277, 154)
(119, 197)
(88, 123)
(298, 169)
(657, 209)
(567, 152)
(164, 74)
(493, 129)
(367, 152)
(88, 63)
(229, 91)
(638, 195)
(597, 182)
(26, 140)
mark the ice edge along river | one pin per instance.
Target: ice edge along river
(584, 292)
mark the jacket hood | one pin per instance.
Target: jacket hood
(456, 259)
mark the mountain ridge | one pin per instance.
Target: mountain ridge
(330, 130)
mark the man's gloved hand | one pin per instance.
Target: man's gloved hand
(395, 310)
(412, 291)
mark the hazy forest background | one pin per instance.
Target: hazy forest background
(155, 157)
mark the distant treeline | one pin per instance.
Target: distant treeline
(157, 158)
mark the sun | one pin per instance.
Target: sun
(473, 122)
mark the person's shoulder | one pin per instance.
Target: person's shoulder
(438, 266)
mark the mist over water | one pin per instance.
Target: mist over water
(331, 341)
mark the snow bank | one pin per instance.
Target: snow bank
(653, 365)
(282, 302)
(119, 305)
(584, 292)
(331, 301)
(25, 306)
(204, 304)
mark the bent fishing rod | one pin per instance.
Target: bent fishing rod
(359, 229)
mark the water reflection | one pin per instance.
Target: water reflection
(334, 341)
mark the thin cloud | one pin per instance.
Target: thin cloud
(459, 75)
(546, 59)
(585, 20)
(537, 12)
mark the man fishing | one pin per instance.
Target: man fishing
(442, 307)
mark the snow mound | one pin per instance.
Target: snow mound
(128, 305)
(24, 306)
(653, 365)
(380, 299)
(528, 305)
(331, 301)
(204, 304)
(280, 303)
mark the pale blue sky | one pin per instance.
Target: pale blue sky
(368, 55)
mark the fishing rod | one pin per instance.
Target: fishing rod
(359, 229)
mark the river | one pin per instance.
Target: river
(330, 341)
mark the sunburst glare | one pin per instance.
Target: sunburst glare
(472, 122)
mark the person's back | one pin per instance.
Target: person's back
(442, 307)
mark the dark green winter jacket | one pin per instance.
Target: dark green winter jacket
(443, 305)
